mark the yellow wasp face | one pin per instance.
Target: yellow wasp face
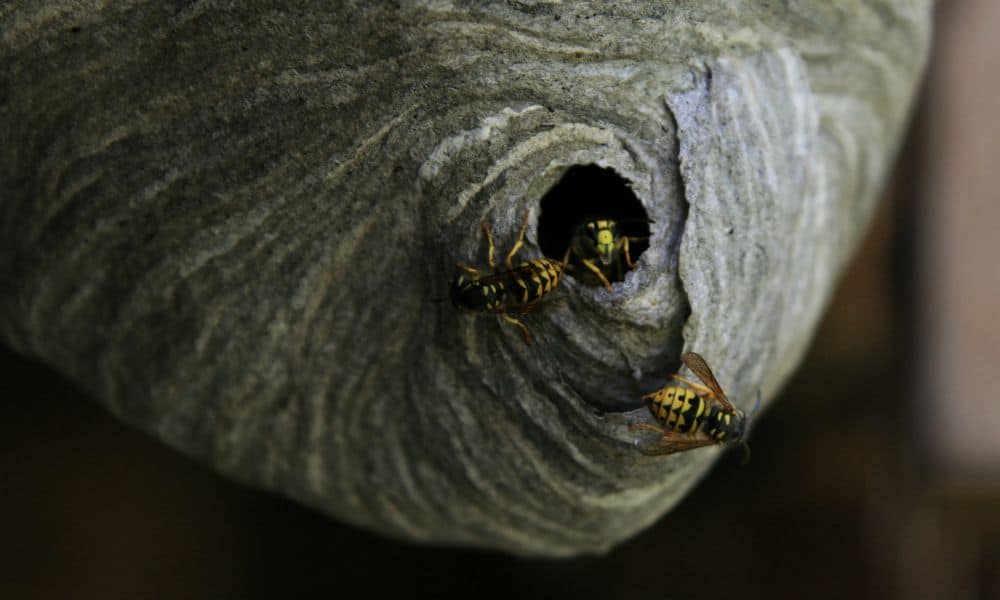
(599, 253)
(604, 234)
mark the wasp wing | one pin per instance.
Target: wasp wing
(668, 441)
(666, 445)
(700, 368)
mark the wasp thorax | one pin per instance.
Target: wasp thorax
(605, 239)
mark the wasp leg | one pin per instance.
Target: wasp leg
(518, 244)
(628, 257)
(590, 265)
(468, 269)
(490, 247)
(524, 328)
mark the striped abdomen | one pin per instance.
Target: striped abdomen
(508, 291)
(532, 280)
(680, 409)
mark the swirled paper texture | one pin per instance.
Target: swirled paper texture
(231, 226)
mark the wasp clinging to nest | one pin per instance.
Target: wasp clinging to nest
(516, 290)
(693, 415)
(600, 252)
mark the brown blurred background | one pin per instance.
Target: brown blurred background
(875, 475)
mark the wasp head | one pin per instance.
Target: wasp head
(472, 294)
(599, 238)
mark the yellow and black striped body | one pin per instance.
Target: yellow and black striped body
(516, 290)
(682, 410)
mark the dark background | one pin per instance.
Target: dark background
(845, 496)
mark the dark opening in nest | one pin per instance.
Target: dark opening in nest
(589, 193)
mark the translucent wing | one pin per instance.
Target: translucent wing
(700, 368)
(669, 446)
(668, 441)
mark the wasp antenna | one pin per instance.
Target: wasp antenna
(746, 431)
(746, 453)
(565, 260)
(756, 405)
(753, 412)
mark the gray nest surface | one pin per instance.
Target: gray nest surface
(231, 225)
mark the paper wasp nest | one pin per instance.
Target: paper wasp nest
(233, 229)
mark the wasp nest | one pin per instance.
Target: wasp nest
(234, 229)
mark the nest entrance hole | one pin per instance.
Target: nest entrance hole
(585, 193)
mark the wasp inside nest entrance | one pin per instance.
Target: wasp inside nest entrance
(594, 215)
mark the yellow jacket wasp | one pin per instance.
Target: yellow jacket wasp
(693, 415)
(602, 251)
(516, 290)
